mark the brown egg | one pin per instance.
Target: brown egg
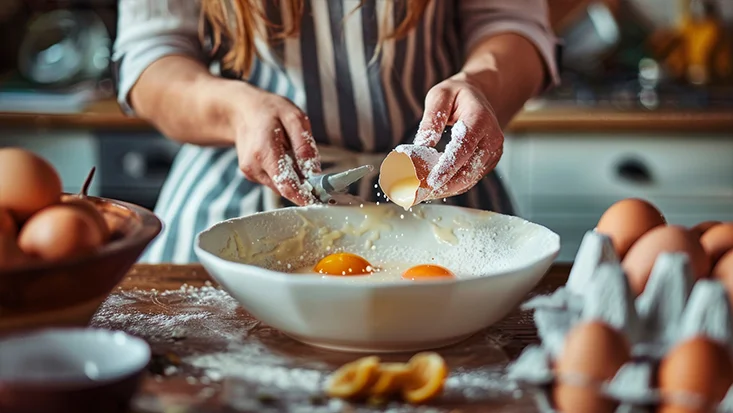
(10, 254)
(702, 227)
(717, 240)
(596, 351)
(627, 220)
(90, 209)
(29, 183)
(640, 259)
(700, 366)
(7, 224)
(59, 232)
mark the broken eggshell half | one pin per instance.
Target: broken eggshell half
(673, 308)
(404, 172)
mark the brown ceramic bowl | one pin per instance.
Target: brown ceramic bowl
(68, 293)
(70, 370)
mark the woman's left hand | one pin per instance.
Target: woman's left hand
(476, 143)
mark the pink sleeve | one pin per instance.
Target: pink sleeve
(528, 18)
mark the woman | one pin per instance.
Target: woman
(264, 93)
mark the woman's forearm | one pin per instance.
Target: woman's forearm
(508, 69)
(185, 102)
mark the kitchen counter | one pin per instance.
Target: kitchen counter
(107, 115)
(193, 328)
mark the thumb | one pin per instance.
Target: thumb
(438, 108)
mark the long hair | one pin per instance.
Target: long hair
(237, 23)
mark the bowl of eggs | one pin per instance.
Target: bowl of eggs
(60, 254)
(377, 278)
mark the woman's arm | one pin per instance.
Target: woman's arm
(162, 77)
(508, 70)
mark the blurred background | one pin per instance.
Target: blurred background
(645, 109)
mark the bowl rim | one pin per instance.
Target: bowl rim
(207, 257)
(78, 384)
(150, 227)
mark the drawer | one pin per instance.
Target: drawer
(628, 166)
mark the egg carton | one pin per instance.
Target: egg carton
(672, 308)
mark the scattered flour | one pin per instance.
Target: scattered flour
(221, 345)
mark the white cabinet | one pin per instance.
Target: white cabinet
(566, 181)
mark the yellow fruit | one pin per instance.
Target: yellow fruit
(392, 377)
(353, 379)
(428, 372)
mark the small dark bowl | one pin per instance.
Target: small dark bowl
(67, 293)
(70, 370)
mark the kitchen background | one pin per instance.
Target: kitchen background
(645, 109)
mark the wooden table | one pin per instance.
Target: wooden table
(210, 356)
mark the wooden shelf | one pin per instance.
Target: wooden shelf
(107, 115)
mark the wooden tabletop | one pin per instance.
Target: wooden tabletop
(211, 356)
(106, 115)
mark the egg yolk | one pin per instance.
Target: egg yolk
(343, 263)
(427, 271)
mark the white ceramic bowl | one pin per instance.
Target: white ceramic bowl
(64, 370)
(498, 259)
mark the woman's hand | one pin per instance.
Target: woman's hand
(275, 145)
(476, 143)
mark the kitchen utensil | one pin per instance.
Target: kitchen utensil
(504, 255)
(327, 187)
(65, 46)
(70, 370)
(590, 39)
(68, 292)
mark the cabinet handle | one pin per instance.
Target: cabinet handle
(634, 170)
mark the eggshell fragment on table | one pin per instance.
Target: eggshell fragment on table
(641, 257)
(627, 220)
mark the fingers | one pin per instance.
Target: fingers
(280, 167)
(304, 147)
(457, 153)
(270, 164)
(438, 107)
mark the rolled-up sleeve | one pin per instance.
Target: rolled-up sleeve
(148, 30)
(528, 18)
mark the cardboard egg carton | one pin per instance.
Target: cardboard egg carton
(672, 308)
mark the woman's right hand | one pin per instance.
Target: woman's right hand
(274, 143)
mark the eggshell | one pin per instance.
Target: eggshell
(638, 262)
(595, 351)
(627, 220)
(717, 240)
(7, 224)
(59, 232)
(699, 366)
(411, 164)
(29, 183)
(10, 254)
(702, 227)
